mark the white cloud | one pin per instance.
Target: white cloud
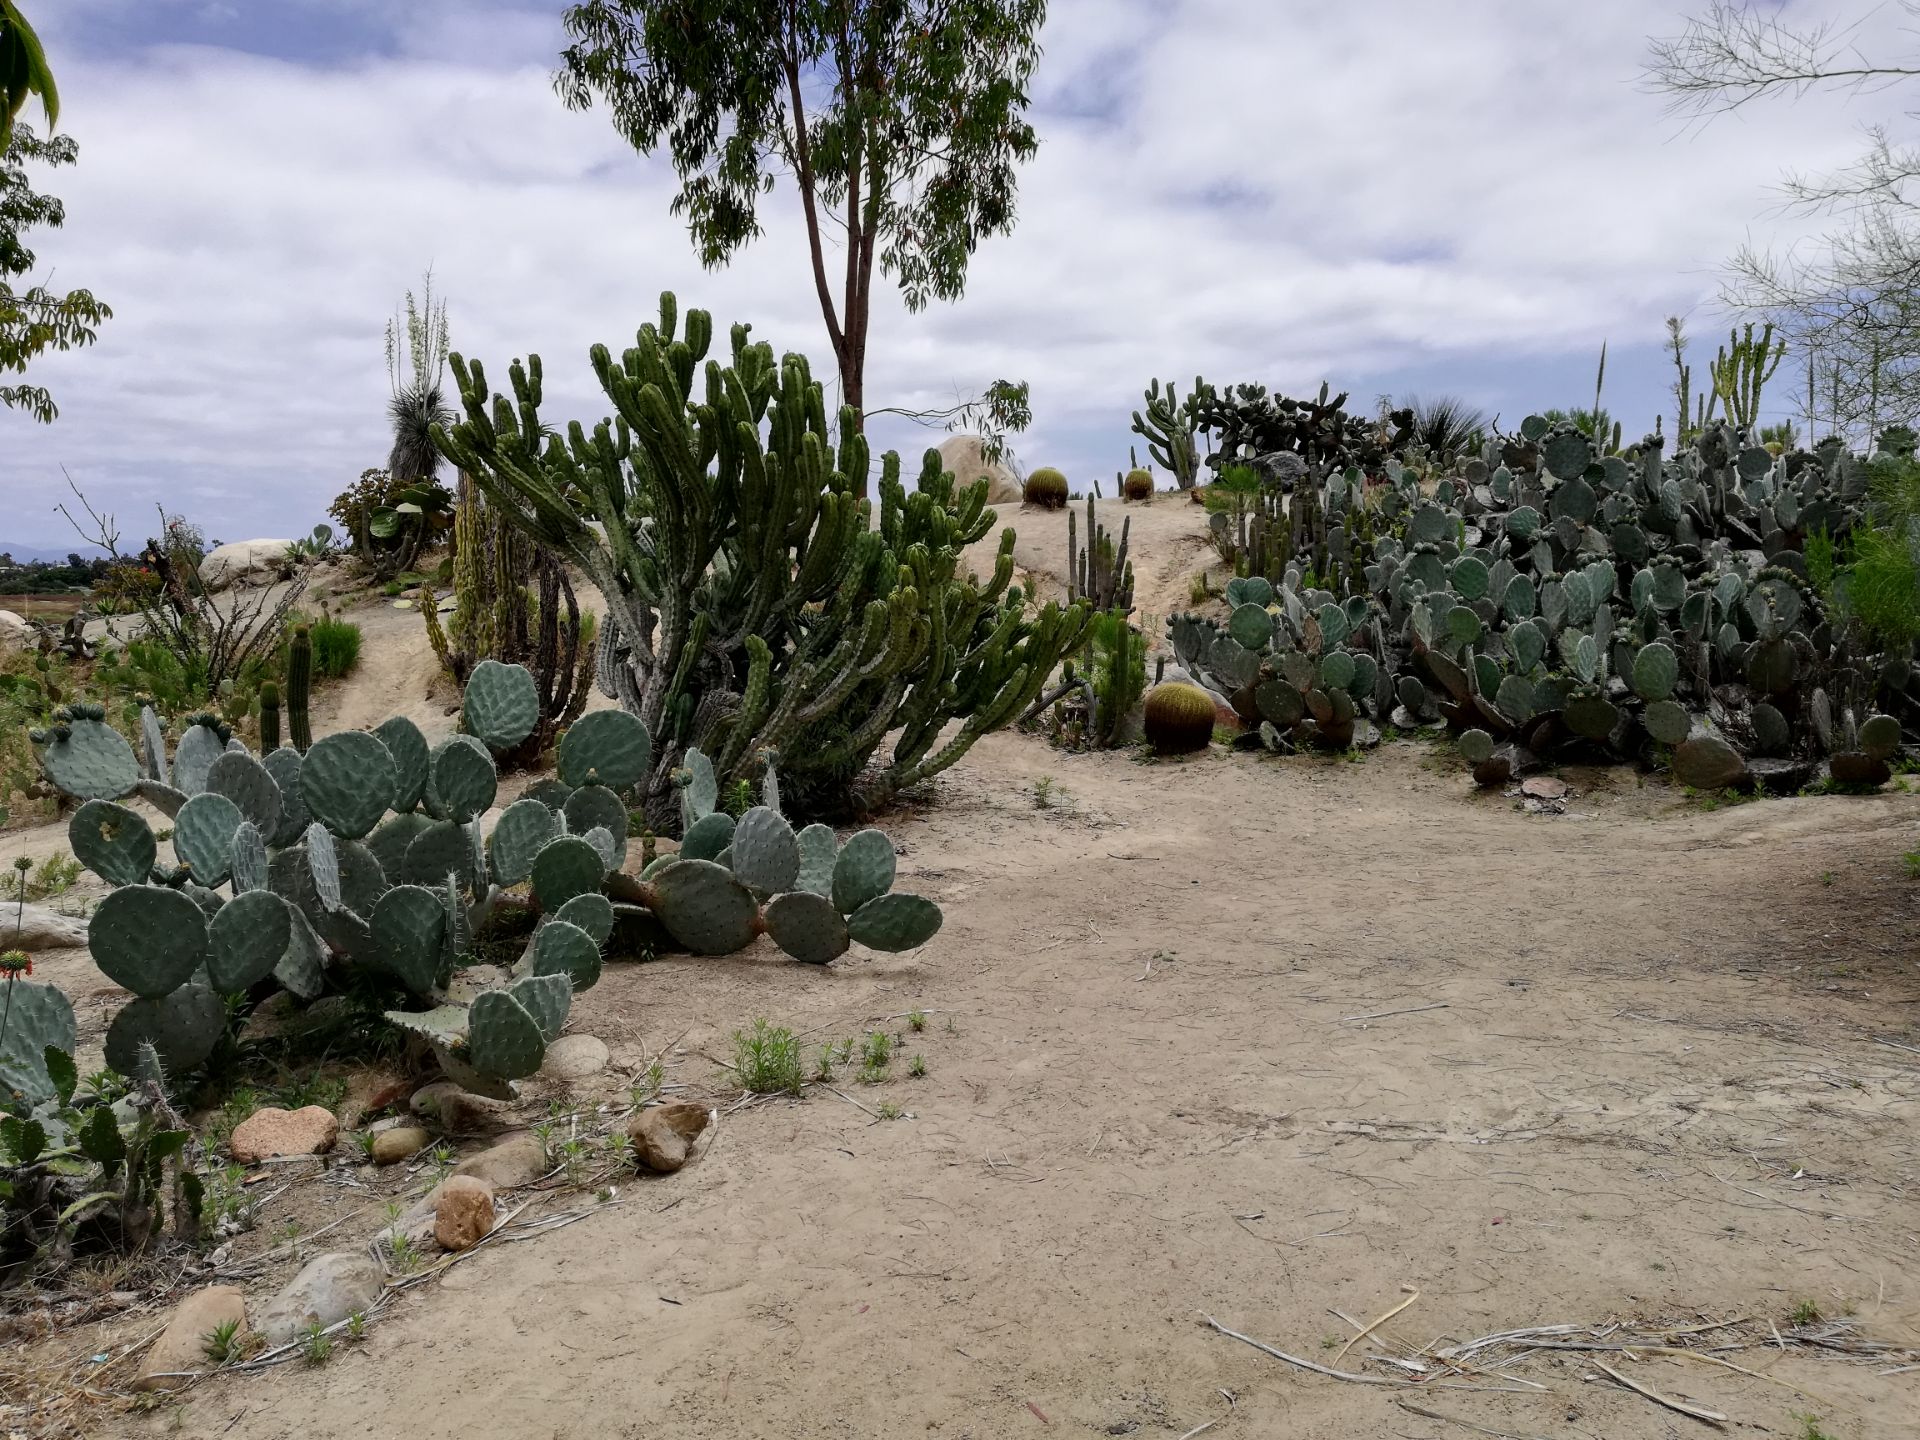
(1244, 190)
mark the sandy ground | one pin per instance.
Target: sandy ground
(1639, 1073)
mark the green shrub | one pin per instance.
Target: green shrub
(336, 647)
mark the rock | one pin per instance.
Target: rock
(960, 457)
(245, 561)
(462, 1212)
(271, 1131)
(368, 1092)
(12, 624)
(1544, 787)
(390, 1147)
(1707, 762)
(454, 1110)
(43, 929)
(517, 1160)
(574, 1057)
(663, 1134)
(182, 1346)
(329, 1289)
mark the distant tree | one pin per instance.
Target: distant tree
(35, 319)
(901, 123)
(23, 72)
(1848, 304)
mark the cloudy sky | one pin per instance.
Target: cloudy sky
(1395, 196)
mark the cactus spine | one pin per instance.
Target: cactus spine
(269, 717)
(299, 684)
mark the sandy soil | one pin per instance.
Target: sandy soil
(1638, 1073)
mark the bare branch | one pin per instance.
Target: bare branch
(1737, 53)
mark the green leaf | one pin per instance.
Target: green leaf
(100, 1139)
(165, 1144)
(64, 1074)
(24, 1140)
(384, 523)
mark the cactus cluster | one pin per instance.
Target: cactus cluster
(364, 867)
(755, 602)
(1544, 597)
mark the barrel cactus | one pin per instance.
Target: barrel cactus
(1137, 485)
(1047, 488)
(365, 867)
(1179, 718)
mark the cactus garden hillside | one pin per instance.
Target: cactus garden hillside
(733, 876)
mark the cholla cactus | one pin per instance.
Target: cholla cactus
(364, 866)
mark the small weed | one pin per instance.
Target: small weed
(52, 876)
(950, 1028)
(876, 1050)
(1043, 793)
(290, 1230)
(1911, 862)
(336, 647)
(767, 1060)
(873, 1074)
(297, 1092)
(223, 1344)
(356, 1326)
(1826, 876)
(316, 1346)
(441, 1159)
(649, 1085)
(887, 1110)
(917, 1067)
(823, 1064)
(1810, 1429)
(1224, 736)
(1659, 1265)
(239, 1105)
(916, 1020)
(363, 1142)
(1329, 1342)
(1586, 1215)
(575, 1156)
(404, 1253)
(1804, 1313)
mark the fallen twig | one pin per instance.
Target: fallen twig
(1383, 1014)
(1698, 1412)
(1353, 1340)
(1352, 1378)
(1426, 1414)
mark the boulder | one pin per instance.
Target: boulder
(402, 1142)
(663, 1135)
(330, 1288)
(271, 1131)
(517, 1160)
(574, 1057)
(12, 624)
(454, 1110)
(181, 1350)
(39, 928)
(960, 456)
(244, 562)
(462, 1212)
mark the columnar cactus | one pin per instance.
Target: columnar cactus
(755, 604)
(299, 688)
(364, 867)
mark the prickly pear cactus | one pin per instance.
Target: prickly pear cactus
(364, 868)
(1550, 598)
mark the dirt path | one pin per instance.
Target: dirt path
(1653, 1091)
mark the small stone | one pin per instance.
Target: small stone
(390, 1147)
(182, 1346)
(574, 1057)
(272, 1131)
(462, 1212)
(368, 1093)
(517, 1160)
(330, 1288)
(662, 1135)
(456, 1111)
(1544, 787)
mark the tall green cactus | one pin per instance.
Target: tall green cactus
(1741, 370)
(269, 716)
(299, 685)
(756, 607)
(1168, 428)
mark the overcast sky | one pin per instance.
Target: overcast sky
(1394, 196)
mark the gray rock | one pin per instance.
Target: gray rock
(517, 1160)
(43, 929)
(574, 1057)
(329, 1289)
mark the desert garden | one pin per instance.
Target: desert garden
(1356, 921)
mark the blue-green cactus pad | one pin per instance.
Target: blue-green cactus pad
(592, 913)
(807, 926)
(183, 1026)
(464, 777)
(567, 867)
(563, 948)
(610, 747)
(113, 842)
(704, 907)
(522, 830)
(409, 924)
(766, 857)
(348, 782)
(246, 940)
(502, 704)
(411, 759)
(246, 782)
(203, 836)
(895, 922)
(818, 851)
(864, 870)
